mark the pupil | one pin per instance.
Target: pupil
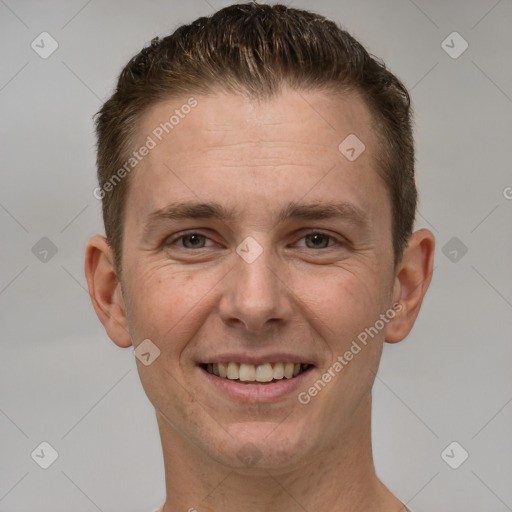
(317, 237)
(194, 239)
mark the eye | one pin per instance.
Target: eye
(318, 240)
(190, 241)
(194, 240)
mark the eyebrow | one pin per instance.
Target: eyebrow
(211, 210)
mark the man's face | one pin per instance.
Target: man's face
(262, 286)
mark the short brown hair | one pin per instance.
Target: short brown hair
(255, 49)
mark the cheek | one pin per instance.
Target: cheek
(342, 302)
(167, 304)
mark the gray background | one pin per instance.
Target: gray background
(63, 381)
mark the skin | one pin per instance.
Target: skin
(304, 295)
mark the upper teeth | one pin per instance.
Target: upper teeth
(255, 373)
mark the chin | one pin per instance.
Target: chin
(254, 445)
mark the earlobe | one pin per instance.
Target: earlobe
(412, 280)
(105, 290)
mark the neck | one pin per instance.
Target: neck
(341, 478)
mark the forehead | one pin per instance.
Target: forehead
(300, 117)
(227, 143)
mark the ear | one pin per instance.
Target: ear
(105, 290)
(412, 280)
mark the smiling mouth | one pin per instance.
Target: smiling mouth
(262, 374)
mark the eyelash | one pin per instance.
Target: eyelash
(190, 233)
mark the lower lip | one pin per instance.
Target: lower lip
(256, 393)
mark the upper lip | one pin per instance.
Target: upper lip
(274, 357)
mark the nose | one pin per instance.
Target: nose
(255, 296)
